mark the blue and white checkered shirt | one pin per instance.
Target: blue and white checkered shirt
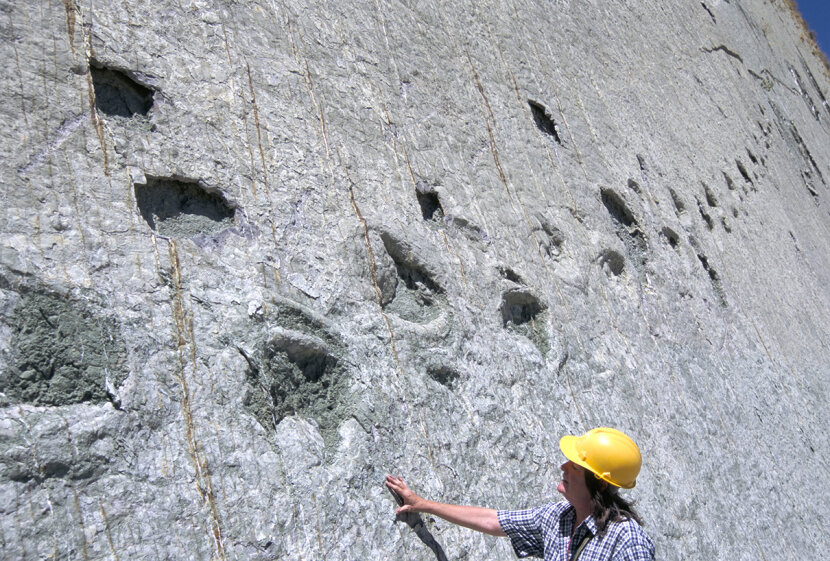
(545, 532)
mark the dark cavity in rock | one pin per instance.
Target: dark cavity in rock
(418, 297)
(803, 91)
(743, 172)
(544, 121)
(727, 226)
(116, 94)
(617, 209)
(816, 86)
(511, 275)
(444, 376)
(808, 183)
(519, 308)
(705, 215)
(714, 278)
(641, 161)
(430, 205)
(671, 236)
(612, 262)
(677, 201)
(471, 231)
(805, 152)
(549, 237)
(524, 314)
(711, 200)
(182, 209)
(627, 228)
(61, 353)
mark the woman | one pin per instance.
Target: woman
(593, 523)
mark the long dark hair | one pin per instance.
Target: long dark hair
(607, 505)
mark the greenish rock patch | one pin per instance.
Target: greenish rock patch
(298, 369)
(61, 353)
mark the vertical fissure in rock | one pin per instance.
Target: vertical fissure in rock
(708, 11)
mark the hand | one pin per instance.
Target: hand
(411, 501)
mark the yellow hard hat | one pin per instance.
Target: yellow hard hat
(610, 454)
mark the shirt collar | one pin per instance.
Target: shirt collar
(570, 516)
(591, 524)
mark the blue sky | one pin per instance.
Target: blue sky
(817, 15)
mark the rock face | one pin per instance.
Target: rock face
(257, 255)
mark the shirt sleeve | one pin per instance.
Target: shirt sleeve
(524, 528)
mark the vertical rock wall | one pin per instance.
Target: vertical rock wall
(256, 255)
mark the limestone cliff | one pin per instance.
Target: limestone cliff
(256, 255)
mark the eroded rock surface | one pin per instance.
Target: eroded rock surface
(255, 256)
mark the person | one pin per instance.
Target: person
(593, 523)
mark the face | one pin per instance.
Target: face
(573, 485)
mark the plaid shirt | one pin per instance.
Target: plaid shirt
(545, 532)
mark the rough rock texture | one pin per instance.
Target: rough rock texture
(256, 255)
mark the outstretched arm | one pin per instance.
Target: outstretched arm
(473, 517)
